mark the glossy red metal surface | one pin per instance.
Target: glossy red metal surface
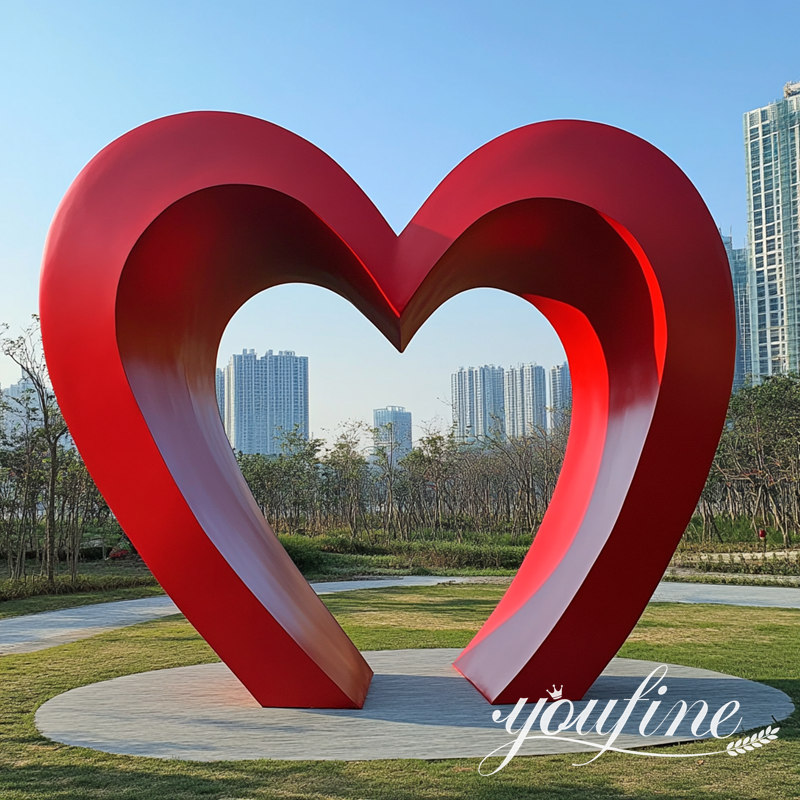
(172, 227)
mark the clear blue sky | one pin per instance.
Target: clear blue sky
(398, 93)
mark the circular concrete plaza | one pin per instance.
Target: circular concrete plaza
(418, 706)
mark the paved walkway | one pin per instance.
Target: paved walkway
(32, 632)
(763, 596)
(39, 631)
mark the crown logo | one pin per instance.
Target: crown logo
(556, 693)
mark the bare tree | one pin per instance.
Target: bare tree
(26, 352)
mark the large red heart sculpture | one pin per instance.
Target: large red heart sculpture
(172, 227)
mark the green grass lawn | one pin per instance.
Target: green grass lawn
(761, 644)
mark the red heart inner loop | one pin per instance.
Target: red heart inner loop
(224, 244)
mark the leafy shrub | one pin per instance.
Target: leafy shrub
(740, 565)
(31, 587)
(304, 551)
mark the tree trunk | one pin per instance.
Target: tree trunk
(50, 524)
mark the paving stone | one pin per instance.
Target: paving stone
(417, 707)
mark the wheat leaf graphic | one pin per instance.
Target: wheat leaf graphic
(750, 743)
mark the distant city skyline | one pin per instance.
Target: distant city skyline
(527, 386)
(397, 127)
(355, 370)
(508, 402)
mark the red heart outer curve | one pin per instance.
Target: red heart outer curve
(172, 227)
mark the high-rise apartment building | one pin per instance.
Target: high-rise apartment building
(392, 431)
(464, 401)
(477, 395)
(19, 407)
(263, 398)
(772, 157)
(560, 393)
(21, 412)
(525, 400)
(220, 385)
(737, 260)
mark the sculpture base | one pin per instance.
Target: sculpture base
(418, 707)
